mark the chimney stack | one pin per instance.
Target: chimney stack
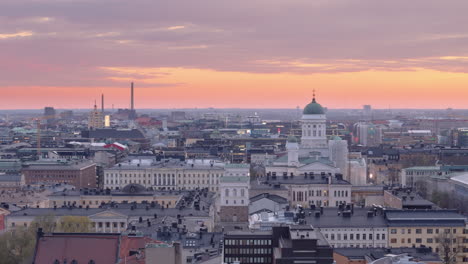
(131, 98)
(102, 103)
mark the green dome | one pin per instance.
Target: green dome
(313, 108)
(293, 139)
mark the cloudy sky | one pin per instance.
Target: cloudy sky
(250, 54)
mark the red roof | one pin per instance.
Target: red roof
(128, 244)
(101, 248)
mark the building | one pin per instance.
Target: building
(195, 210)
(129, 248)
(168, 174)
(81, 174)
(94, 198)
(266, 202)
(309, 162)
(431, 228)
(49, 115)
(322, 189)
(350, 226)
(96, 118)
(282, 245)
(368, 134)
(368, 255)
(234, 201)
(11, 181)
(406, 199)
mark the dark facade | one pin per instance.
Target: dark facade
(79, 174)
(281, 245)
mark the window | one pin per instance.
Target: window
(393, 231)
(393, 240)
(430, 231)
(418, 240)
(429, 240)
(418, 231)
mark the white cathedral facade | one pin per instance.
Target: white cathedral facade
(314, 153)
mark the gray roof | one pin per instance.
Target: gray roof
(331, 219)
(423, 254)
(318, 179)
(424, 218)
(10, 178)
(116, 133)
(273, 197)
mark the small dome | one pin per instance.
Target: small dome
(133, 188)
(313, 108)
(293, 139)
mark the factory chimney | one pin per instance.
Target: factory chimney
(131, 98)
(102, 103)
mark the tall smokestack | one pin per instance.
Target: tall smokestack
(131, 99)
(102, 103)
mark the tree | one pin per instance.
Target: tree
(47, 222)
(17, 246)
(74, 224)
(448, 246)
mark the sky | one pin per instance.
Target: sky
(234, 54)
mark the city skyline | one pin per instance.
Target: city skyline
(234, 55)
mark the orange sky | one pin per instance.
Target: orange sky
(189, 88)
(226, 54)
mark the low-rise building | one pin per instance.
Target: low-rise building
(168, 174)
(81, 174)
(94, 198)
(282, 245)
(307, 190)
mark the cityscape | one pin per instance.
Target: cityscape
(274, 132)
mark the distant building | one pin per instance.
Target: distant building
(234, 191)
(96, 119)
(282, 245)
(178, 116)
(81, 174)
(49, 115)
(422, 255)
(368, 134)
(99, 248)
(166, 174)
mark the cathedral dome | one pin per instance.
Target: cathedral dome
(292, 139)
(313, 108)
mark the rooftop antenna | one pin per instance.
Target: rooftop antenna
(102, 103)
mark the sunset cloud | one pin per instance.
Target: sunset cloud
(238, 46)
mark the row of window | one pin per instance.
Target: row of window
(159, 175)
(247, 242)
(234, 192)
(235, 202)
(419, 231)
(356, 236)
(247, 260)
(247, 251)
(419, 240)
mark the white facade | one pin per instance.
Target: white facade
(357, 171)
(234, 191)
(314, 134)
(361, 237)
(327, 195)
(172, 176)
(339, 155)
